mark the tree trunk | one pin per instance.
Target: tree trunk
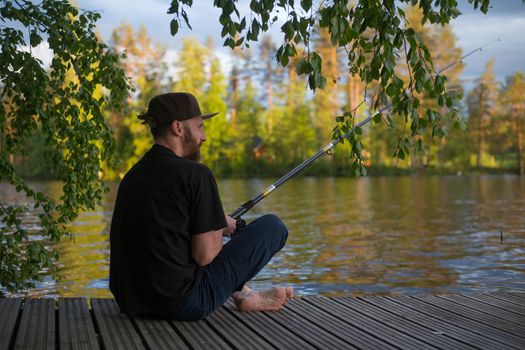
(519, 157)
(478, 164)
(291, 92)
(270, 96)
(354, 93)
(335, 91)
(234, 97)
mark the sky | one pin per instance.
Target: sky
(505, 21)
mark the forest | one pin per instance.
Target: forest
(270, 121)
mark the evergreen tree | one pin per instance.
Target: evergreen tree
(143, 65)
(481, 103)
(250, 140)
(513, 102)
(268, 51)
(326, 100)
(199, 73)
(216, 152)
(296, 138)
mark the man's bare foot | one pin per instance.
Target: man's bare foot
(289, 293)
(272, 299)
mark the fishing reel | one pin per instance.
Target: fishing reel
(239, 226)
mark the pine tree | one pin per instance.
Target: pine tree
(215, 152)
(326, 100)
(143, 65)
(250, 139)
(513, 101)
(481, 102)
(268, 50)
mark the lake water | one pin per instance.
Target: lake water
(378, 235)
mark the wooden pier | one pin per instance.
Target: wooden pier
(455, 321)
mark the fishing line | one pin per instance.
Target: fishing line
(237, 213)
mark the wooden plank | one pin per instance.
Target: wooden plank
(379, 329)
(519, 295)
(9, 310)
(159, 334)
(439, 326)
(330, 323)
(269, 329)
(474, 314)
(485, 308)
(37, 325)
(116, 329)
(510, 297)
(237, 333)
(75, 327)
(307, 330)
(460, 320)
(407, 326)
(499, 303)
(200, 336)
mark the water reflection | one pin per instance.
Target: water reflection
(350, 236)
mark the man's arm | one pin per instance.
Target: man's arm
(206, 246)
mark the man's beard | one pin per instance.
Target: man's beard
(192, 149)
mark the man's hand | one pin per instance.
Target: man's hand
(232, 224)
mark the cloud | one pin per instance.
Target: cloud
(41, 52)
(474, 30)
(505, 20)
(152, 14)
(499, 8)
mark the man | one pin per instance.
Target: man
(167, 254)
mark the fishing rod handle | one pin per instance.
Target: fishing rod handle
(240, 223)
(239, 226)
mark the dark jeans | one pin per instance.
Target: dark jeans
(238, 262)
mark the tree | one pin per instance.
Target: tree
(268, 51)
(513, 98)
(143, 65)
(65, 103)
(193, 62)
(441, 42)
(349, 25)
(481, 103)
(249, 137)
(215, 152)
(327, 100)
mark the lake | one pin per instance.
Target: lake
(374, 235)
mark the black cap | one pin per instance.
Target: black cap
(164, 109)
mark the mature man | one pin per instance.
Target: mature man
(167, 254)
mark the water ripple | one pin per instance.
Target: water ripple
(382, 236)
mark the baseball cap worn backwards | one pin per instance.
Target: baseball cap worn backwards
(164, 109)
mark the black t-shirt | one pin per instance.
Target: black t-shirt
(161, 202)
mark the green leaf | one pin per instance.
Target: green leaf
(306, 5)
(441, 101)
(34, 39)
(389, 64)
(391, 90)
(377, 118)
(174, 27)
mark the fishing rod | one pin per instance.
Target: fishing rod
(244, 208)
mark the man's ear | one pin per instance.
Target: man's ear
(177, 128)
